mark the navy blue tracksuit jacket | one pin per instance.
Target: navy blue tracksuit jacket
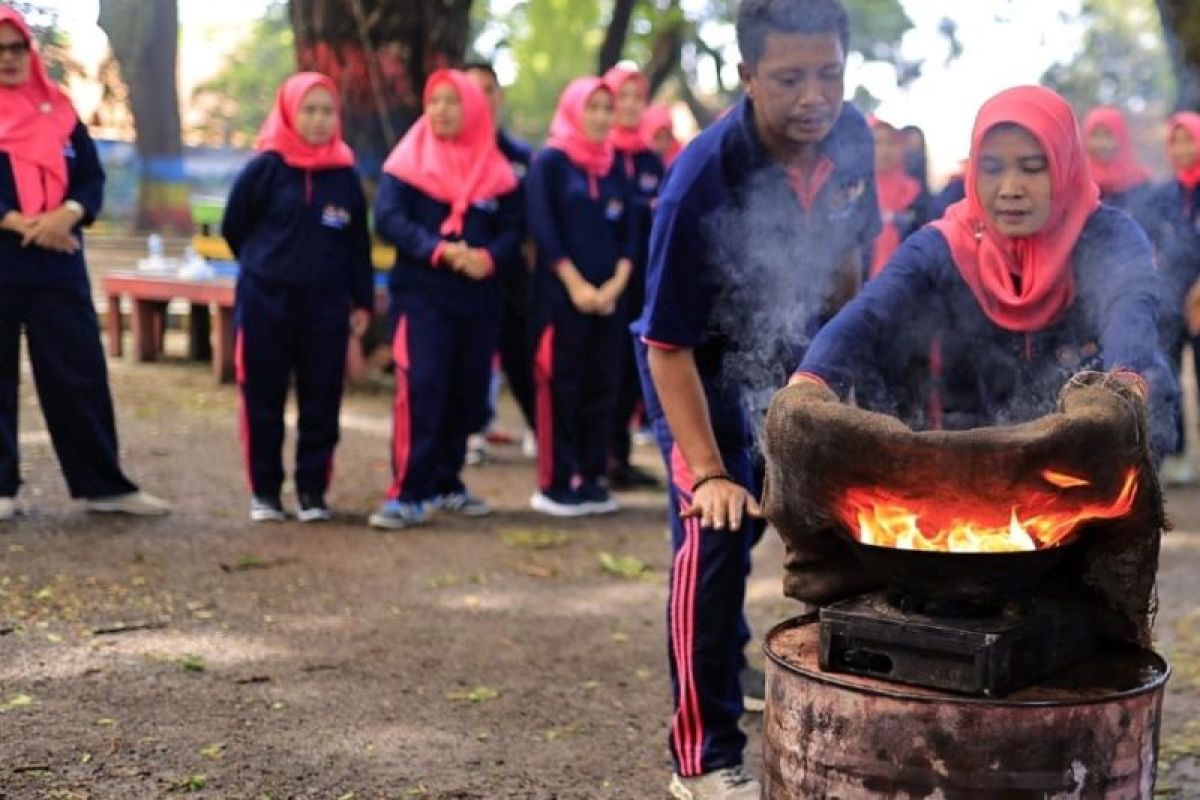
(993, 376)
(47, 295)
(303, 247)
(741, 269)
(576, 357)
(445, 327)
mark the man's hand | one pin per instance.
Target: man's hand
(721, 505)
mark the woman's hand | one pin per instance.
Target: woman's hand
(475, 264)
(15, 222)
(52, 230)
(360, 318)
(722, 504)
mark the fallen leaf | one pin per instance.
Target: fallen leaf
(191, 663)
(215, 750)
(623, 565)
(479, 694)
(534, 538)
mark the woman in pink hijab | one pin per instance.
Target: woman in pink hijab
(586, 233)
(297, 220)
(51, 185)
(449, 202)
(1025, 282)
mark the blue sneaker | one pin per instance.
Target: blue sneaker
(396, 514)
(464, 503)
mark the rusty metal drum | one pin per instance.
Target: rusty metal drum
(1090, 732)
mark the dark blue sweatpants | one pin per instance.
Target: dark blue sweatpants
(63, 337)
(706, 628)
(575, 369)
(443, 367)
(284, 330)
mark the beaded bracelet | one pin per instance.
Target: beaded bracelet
(712, 476)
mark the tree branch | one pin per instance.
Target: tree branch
(615, 36)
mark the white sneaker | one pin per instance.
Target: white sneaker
(8, 508)
(266, 509)
(138, 504)
(732, 783)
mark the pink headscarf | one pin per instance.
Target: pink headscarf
(566, 132)
(1190, 122)
(628, 141)
(1122, 172)
(36, 120)
(658, 118)
(987, 259)
(460, 170)
(896, 191)
(279, 134)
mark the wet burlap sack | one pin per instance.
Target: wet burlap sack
(817, 447)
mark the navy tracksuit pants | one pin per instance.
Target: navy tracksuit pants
(575, 370)
(285, 329)
(707, 631)
(72, 384)
(443, 364)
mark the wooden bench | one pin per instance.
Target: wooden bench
(210, 323)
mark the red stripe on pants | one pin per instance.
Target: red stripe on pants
(543, 369)
(401, 410)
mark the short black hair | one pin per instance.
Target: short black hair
(482, 66)
(757, 18)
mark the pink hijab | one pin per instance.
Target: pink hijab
(987, 259)
(36, 120)
(279, 134)
(567, 135)
(461, 170)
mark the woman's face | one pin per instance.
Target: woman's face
(316, 119)
(662, 140)
(1182, 148)
(889, 151)
(598, 116)
(1013, 183)
(14, 56)
(1101, 144)
(630, 103)
(445, 111)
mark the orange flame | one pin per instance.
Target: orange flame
(885, 520)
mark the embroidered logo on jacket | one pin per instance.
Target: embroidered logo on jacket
(647, 182)
(335, 216)
(614, 210)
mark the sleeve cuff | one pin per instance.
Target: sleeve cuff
(810, 377)
(667, 346)
(1134, 379)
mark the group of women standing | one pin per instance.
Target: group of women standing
(458, 212)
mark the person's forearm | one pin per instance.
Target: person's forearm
(677, 382)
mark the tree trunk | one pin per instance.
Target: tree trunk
(144, 39)
(614, 37)
(379, 53)
(1181, 29)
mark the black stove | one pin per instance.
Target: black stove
(984, 649)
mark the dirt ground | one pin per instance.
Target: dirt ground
(498, 658)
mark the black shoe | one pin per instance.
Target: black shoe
(628, 476)
(313, 508)
(754, 686)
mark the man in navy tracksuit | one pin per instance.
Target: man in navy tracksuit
(515, 345)
(759, 234)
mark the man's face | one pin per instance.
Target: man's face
(797, 86)
(491, 90)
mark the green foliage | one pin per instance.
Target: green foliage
(240, 95)
(1123, 61)
(552, 42)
